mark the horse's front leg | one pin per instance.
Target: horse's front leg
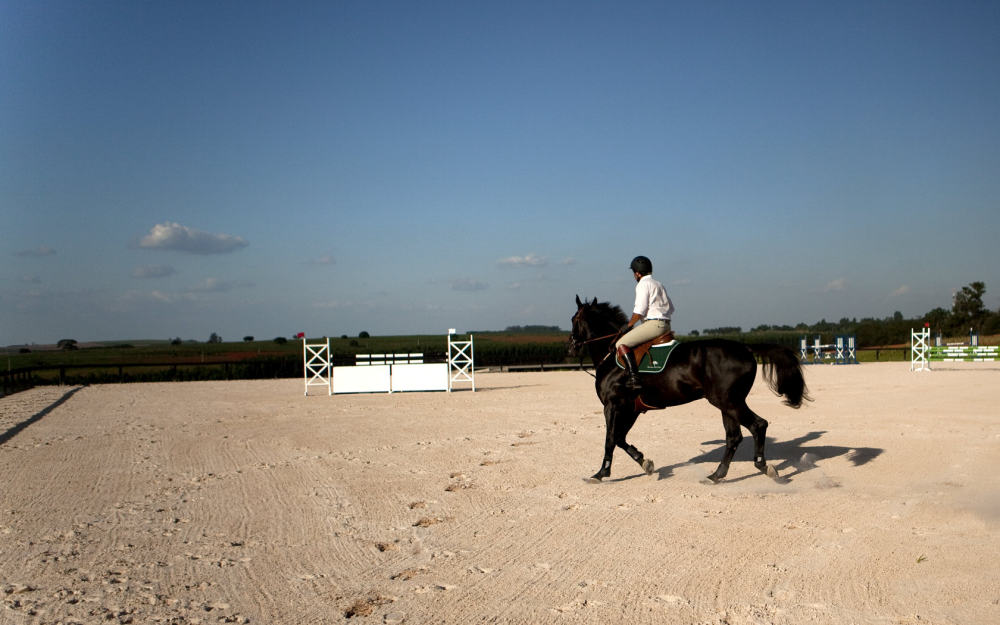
(733, 438)
(609, 444)
(619, 420)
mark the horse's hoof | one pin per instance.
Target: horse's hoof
(593, 480)
(772, 472)
(647, 466)
(711, 480)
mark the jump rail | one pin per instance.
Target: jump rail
(922, 353)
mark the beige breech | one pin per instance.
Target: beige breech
(645, 331)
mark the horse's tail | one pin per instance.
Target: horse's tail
(783, 373)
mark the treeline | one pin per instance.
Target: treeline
(531, 329)
(967, 313)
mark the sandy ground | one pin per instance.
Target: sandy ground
(245, 502)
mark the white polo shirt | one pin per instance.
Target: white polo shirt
(651, 300)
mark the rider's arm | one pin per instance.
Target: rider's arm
(635, 318)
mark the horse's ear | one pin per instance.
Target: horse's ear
(579, 304)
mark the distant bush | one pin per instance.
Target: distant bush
(280, 340)
(248, 339)
(532, 329)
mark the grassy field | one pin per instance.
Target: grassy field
(160, 360)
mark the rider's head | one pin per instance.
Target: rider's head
(641, 265)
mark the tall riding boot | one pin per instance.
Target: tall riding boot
(628, 357)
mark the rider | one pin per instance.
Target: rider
(653, 307)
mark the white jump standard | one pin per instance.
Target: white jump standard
(316, 365)
(460, 362)
(388, 373)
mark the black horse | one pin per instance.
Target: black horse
(718, 370)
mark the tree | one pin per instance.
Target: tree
(968, 305)
(67, 344)
(940, 319)
(248, 339)
(280, 340)
(364, 335)
(176, 341)
(215, 338)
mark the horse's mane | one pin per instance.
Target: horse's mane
(610, 312)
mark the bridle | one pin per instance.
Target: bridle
(577, 344)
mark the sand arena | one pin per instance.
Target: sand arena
(245, 502)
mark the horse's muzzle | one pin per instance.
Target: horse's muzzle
(574, 346)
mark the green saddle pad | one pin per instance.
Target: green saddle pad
(655, 360)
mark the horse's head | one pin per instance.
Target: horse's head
(593, 321)
(579, 330)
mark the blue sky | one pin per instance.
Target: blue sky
(182, 168)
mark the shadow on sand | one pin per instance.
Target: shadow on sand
(796, 454)
(15, 429)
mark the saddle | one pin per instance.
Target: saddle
(660, 347)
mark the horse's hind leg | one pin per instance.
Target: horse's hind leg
(758, 428)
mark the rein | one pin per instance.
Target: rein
(599, 338)
(594, 340)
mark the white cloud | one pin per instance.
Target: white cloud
(467, 284)
(38, 252)
(153, 271)
(333, 304)
(903, 290)
(531, 260)
(322, 260)
(175, 237)
(214, 285)
(835, 285)
(31, 280)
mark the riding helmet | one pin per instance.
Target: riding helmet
(641, 265)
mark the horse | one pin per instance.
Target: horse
(719, 370)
